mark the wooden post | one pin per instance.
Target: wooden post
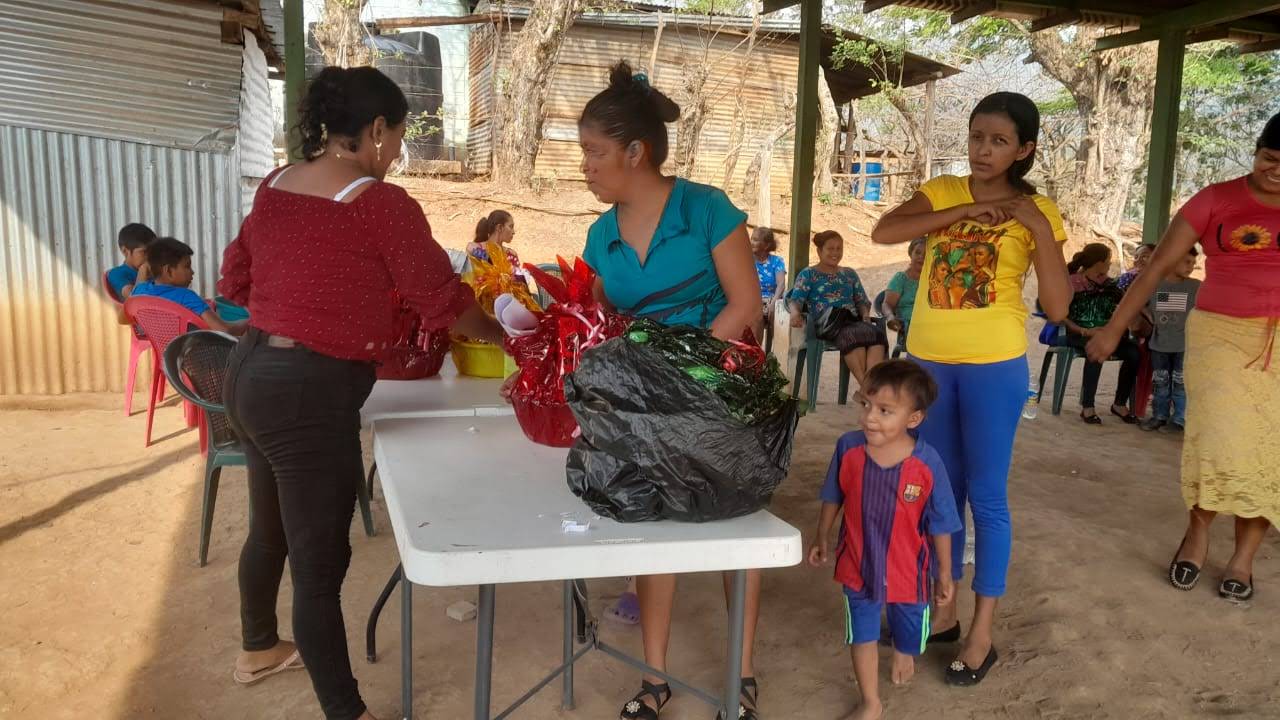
(806, 135)
(653, 54)
(929, 89)
(295, 72)
(1164, 135)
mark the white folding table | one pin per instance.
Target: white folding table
(473, 502)
(448, 394)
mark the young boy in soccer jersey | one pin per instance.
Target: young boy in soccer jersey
(893, 497)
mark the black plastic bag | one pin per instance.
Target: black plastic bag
(829, 322)
(658, 445)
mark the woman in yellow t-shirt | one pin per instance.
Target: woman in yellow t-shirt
(985, 232)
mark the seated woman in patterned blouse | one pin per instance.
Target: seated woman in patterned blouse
(827, 285)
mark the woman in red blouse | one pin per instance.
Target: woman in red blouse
(1229, 455)
(317, 262)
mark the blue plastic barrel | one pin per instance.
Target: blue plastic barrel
(874, 185)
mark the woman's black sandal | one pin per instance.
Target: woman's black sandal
(961, 675)
(1091, 419)
(1236, 590)
(1184, 574)
(949, 635)
(1127, 418)
(749, 692)
(635, 709)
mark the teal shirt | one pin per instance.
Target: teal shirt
(906, 288)
(677, 284)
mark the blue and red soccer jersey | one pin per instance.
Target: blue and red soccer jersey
(888, 515)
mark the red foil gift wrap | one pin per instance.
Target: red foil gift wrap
(415, 353)
(574, 323)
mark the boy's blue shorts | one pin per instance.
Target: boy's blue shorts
(908, 623)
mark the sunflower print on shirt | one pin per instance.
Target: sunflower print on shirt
(1245, 238)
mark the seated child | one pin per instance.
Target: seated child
(892, 494)
(169, 260)
(1168, 309)
(133, 240)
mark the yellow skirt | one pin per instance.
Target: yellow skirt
(1230, 459)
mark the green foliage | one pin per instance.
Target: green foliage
(715, 7)
(1061, 104)
(423, 125)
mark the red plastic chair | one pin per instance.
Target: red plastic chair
(137, 345)
(162, 321)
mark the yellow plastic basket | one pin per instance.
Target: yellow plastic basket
(481, 359)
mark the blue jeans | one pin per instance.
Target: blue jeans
(972, 425)
(1166, 380)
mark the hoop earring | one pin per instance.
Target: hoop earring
(378, 147)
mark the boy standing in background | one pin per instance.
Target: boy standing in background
(1168, 309)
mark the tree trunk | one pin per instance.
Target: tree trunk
(825, 145)
(533, 59)
(915, 134)
(1113, 91)
(693, 114)
(738, 127)
(755, 182)
(340, 34)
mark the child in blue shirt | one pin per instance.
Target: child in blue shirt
(893, 495)
(169, 260)
(133, 240)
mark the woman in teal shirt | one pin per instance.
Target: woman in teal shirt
(676, 252)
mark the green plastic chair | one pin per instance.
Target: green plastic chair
(1059, 358)
(545, 299)
(810, 357)
(201, 357)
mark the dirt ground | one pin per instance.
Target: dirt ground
(106, 614)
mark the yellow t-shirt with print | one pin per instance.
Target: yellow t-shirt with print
(969, 306)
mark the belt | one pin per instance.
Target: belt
(280, 341)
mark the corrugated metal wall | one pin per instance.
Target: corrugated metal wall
(62, 199)
(257, 124)
(582, 71)
(150, 71)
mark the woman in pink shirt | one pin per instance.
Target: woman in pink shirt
(1229, 457)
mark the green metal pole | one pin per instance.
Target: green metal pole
(295, 72)
(806, 135)
(1164, 135)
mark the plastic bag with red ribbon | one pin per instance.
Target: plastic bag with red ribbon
(574, 323)
(414, 353)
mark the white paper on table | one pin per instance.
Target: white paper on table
(516, 319)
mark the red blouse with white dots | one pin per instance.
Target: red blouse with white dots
(326, 273)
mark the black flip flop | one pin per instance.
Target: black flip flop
(949, 635)
(961, 675)
(1183, 574)
(1236, 590)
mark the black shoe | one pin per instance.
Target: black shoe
(961, 675)
(635, 709)
(1172, 428)
(749, 692)
(1236, 590)
(1091, 419)
(949, 635)
(1183, 574)
(1152, 423)
(1128, 418)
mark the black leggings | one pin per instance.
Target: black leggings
(298, 415)
(1128, 353)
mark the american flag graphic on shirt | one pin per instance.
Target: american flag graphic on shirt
(1171, 302)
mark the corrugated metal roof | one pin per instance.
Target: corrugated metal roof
(63, 197)
(141, 70)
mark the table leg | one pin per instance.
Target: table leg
(737, 609)
(371, 628)
(484, 652)
(406, 648)
(570, 623)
